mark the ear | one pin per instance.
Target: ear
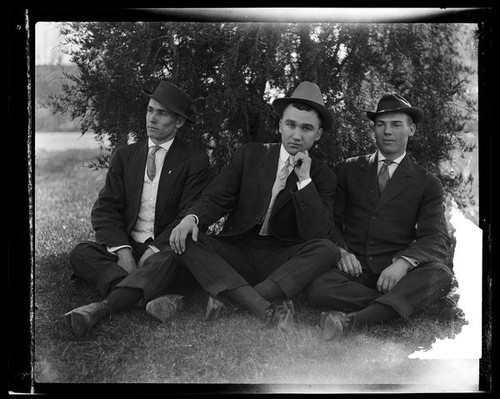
(318, 134)
(413, 129)
(180, 122)
(280, 124)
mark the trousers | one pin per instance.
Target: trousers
(160, 274)
(422, 285)
(220, 263)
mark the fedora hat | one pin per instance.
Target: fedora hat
(172, 98)
(310, 94)
(393, 102)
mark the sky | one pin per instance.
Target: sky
(48, 39)
(47, 44)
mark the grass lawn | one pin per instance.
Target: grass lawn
(133, 347)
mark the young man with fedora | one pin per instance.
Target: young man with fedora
(391, 228)
(149, 185)
(278, 201)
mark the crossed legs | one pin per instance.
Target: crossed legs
(341, 292)
(256, 271)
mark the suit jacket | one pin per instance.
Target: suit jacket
(185, 174)
(406, 220)
(243, 189)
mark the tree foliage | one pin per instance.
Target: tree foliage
(233, 71)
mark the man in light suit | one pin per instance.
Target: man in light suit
(149, 185)
(391, 226)
(279, 204)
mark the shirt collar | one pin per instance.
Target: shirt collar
(398, 160)
(284, 155)
(166, 146)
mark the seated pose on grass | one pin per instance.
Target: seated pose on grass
(279, 204)
(148, 187)
(389, 214)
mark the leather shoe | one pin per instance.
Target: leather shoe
(335, 324)
(282, 316)
(214, 308)
(81, 319)
(448, 310)
(165, 307)
(288, 303)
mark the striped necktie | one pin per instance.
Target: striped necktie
(383, 175)
(151, 163)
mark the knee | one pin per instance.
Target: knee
(439, 278)
(443, 273)
(330, 252)
(80, 253)
(447, 277)
(76, 253)
(190, 243)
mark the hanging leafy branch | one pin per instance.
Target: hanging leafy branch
(233, 70)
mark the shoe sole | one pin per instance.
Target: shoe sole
(287, 323)
(288, 303)
(158, 310)
(213, 309)
(332, 329)
(77, 323)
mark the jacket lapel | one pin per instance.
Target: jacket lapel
(135, 179)
(266, 173)
(399, 181)
(368, 178)
(170, 170)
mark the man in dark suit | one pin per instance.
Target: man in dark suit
(391, 226)
(278, 201)
(149, 186)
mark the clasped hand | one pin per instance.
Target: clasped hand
(389, 277)
(301, 165)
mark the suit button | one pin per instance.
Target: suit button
(371, 242)
(374, 217)
(370, 258)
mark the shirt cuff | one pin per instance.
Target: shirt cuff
(155, 250)
(412, 261)
(114, 249)
(195, 217)
(302, 184)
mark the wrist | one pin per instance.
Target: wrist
(342, 251)
(406, 263)
(303, 183)
(123, 250)
(193, 217)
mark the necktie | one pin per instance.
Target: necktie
(383, 175)
(151, 163)
(279, 184)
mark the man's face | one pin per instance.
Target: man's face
(299, 129)
(161, 124)
(392, 131)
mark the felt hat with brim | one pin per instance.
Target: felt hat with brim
(310, 94)
(172, 98)
(393, 102)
